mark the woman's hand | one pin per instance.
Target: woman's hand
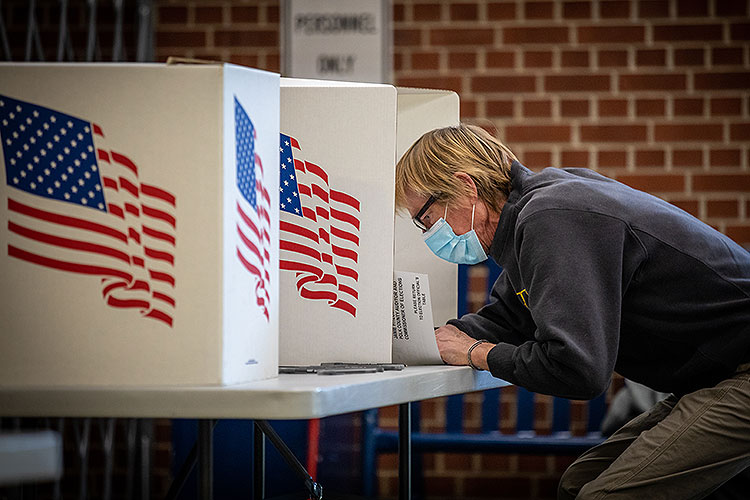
(454, 344)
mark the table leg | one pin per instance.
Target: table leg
(259, 463)
(205, 459)
(404, 451)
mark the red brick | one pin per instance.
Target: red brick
(538, 133)
(576, 83)
(692, 8)
(458, 461)
(687, 32)
(501, 11)
(244, 14)
(272, 14)
(722, 182)
(549, 34)
(537, 108)
(649, 158)
(398, 60)
(500, 59)
(739, 132)
(688, 107)
(403, 37)
(725, 157)
(739, 31)
(503, 84)
(731, 8)
(246, 38)
(180, 39)
(466, 36)
(740, 234)
(425, 60)
(244, 60)
(436, 486)
(651, 57)
(574, 108)
(687, 158)
(719, 81)
(654, 183)
(611, 34)
(574, 158)
(611, 58)
(689, 57)
(575, 58)
(399, 13)
(462, 60)
(172, 15)
(427, 12)
(613, 133)
(653, 82)
(536, 160)
(650, 107)
(468, 108)
(273, 62)
(614, 9)
(464, 12)
(533, 463)
(208, 14)
(722, 208)
(649, 8)
(537, 59)
(489, 487)
(613, 107)
(538, 10)
(499, 108)
(703, 132)
(434, 82)
(577, 10)
(726, 56)
(495, 462)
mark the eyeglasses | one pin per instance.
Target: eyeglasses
(417, 219)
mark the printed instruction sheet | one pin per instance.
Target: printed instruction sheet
(413, 329)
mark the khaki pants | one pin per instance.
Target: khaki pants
(683, 448)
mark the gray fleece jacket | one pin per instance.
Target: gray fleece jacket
(600, 277)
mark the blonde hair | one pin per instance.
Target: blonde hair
(428, 167)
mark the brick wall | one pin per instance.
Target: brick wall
(654, 93)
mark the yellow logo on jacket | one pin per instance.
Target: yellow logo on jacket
(524, 296)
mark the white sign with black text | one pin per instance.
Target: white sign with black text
(337, 40)
(413, 334)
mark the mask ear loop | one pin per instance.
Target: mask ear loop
(446, 211)
(472, 215)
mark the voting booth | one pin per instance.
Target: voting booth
(139, 237)
(339, 145)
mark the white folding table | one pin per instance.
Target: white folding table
(298, 396)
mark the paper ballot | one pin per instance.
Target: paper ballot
(413, 330)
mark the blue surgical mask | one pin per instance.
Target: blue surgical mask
(459, 249)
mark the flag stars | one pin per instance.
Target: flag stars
(36, 159)
(39, 133)
(15, 180)
(66, 150)
(12, 115)
(70, 124)
(23, 173)
(53, 164)
(84, 201)
(57, 184)
(81, 182)
(47, 171)
(33, 185)
(101, 206)
(36, 114)
(63, 131)
(18, 108)
(66, 196)
(64, 177)
(32, 140)
(70, 169)
(15, 135)
(53, 118)
(45, 126)
(74, 189)
(50, 190)
(84, 156)
(77, 162)
(56, 138)
(28, 121)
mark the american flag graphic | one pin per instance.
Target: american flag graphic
(75, 205)
(319, 231)
(253, 206)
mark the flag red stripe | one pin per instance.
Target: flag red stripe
(138, 261)
(260, 234)
(110, 183)
(129, 187)
(298, 230)
(249, 244)
(134, 235)
(127, 303)
(132, 209)
(324, 235)
(158, 255)
(296, 247)
(344, 252)
(345, 198)
(294, 142)
(345, 306)
(263, 191)
(321, 212)
(320, 192)
(345, 235)
(347, 289)
(316, 170)
(306, 293)
(156, 192)
(304, 190)
(160, 315)
(327, 258)
(113, 286)
(263, 214)
(67, 243)
(97, 129)
(115, 210)
(345, 217)
(253, 270)
(124, 161)
(66, 266)
(65, 220)
(308, 213)
(158, 235)
(288, 265)
(140, 285)
(102, 155)
(259, 163)
(160, 276)
(299, 165)
(159, 214)
(164, 298)
(347, 271)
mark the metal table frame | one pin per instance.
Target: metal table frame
(281, 398)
